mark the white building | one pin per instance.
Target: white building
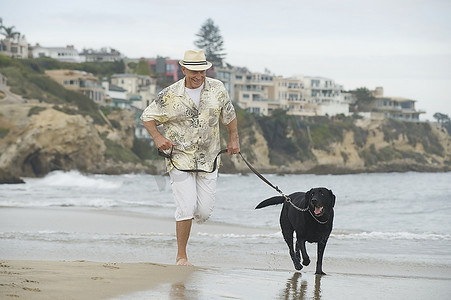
(16, 47)
(68, 54)
(299, 95)
(105, 54)
(137, 86)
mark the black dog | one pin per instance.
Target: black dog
(311, 215)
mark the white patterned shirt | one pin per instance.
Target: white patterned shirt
(194, 130)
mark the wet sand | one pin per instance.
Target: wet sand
(241, 269)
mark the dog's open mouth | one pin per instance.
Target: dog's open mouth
(318, 210)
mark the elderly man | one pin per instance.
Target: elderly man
(189, 111)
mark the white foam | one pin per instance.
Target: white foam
(390, 236)
(241, 236)
(75, 179)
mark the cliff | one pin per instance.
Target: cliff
(38, 138)
(340, 145)
(48, 128)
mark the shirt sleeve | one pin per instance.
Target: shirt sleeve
(155, 111)
(228, 111)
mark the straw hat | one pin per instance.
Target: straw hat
(195, 61)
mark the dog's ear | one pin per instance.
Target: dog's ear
(332, 196)
(308, 195)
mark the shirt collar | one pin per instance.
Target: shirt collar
(180, 90)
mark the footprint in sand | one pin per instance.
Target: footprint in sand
(31, 281)
(96, 278)
(31, 289)
(111, 266)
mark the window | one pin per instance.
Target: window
(255, 110)
(315, 82)
(170, 68)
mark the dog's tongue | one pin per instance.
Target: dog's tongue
(318, 210)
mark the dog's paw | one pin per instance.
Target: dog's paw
(306, 262)
(297, 264)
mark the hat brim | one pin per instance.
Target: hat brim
(196, 67)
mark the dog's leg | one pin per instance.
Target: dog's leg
(298, 254)
(305, 257)
(288, 237)
(319, 261)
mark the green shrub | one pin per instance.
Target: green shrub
(115, 151)
(35, 110)
(3, 132)
(144, 151)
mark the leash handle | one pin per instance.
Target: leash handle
(169, 157)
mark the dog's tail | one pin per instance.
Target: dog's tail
(271, 201)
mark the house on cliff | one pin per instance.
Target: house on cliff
(398, 108)
(15, 47)
(67, 54)
(80, 81)
(262, 93)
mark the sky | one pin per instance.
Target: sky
(403, 46)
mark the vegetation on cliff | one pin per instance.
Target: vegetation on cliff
(94, 139)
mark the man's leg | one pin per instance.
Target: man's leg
(183, 229)
(184, 191)
(206, 192)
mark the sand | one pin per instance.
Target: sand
(82, 279)
(225, 268)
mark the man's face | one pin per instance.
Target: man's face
(193, 79)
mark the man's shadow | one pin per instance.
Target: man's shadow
(297, 290)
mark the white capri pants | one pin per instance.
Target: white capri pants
(194, 194)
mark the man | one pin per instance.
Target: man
(189, 112)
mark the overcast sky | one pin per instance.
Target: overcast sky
(402, 45)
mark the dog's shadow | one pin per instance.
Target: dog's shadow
(298, 290)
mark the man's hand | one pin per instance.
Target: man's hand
(161, 142)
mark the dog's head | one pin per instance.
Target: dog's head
(321, 201)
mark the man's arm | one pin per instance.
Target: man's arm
(161, 142)
(233, 147)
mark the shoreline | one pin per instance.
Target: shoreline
(8, 178)
(30, 279)
(76, 253)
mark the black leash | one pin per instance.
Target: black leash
(287, 198)
(259, 175)
(169, 156)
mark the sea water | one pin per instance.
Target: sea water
(387, 216)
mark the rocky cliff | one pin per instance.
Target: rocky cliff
(37, 138)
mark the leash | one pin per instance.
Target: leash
(169, 156)
(259, 175)
(287, 198)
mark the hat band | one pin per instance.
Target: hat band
(194, 63)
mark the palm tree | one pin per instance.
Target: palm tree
(9, 32)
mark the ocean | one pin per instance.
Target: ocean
(387, 216)
(391, 237)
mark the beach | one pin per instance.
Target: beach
(76, 236)
(80, 271)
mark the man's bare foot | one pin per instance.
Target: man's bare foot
(183, 262)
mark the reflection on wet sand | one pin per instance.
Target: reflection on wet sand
(294, 291)
(179, 291)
